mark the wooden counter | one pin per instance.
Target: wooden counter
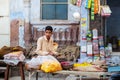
(98, 75)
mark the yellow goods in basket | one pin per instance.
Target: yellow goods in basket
(82, 64)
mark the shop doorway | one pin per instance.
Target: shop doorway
(113, 24)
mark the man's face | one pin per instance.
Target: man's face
(48, 34)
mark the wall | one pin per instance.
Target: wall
(20, 26)
(4, 23)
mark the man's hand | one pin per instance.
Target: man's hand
(34, 55)
(51, 53)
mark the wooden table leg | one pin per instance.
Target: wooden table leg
(22, 71)
(7, 72)
(36, 75)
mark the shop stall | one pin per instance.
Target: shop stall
(90, 57)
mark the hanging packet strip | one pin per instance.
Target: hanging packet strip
(96, 6)
(86, 6)
(84, 26)
(92, 10)
(84, 21)
(88, 3)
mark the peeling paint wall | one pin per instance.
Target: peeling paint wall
(17, 20)
(19, 16)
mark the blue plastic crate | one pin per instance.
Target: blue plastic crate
(113, 68)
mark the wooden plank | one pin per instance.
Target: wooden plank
(87, 74)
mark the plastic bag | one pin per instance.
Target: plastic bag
(51, 66)
(36, 62)
(18, 55)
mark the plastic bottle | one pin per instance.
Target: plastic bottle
(110, 48)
